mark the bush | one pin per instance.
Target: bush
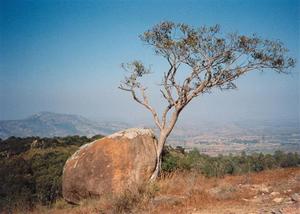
(174, 159)
(131, 198)
(47, 171)
(17, 183)
(31, 169)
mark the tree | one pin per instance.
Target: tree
(213, 60)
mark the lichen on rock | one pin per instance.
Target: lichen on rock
(132, 133)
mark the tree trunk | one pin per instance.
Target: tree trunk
(164, 133)
(160, 145)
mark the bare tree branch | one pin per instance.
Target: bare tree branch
(214, 60)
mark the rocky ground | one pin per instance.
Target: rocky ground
(274, 192)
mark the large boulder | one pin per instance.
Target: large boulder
(110, 165)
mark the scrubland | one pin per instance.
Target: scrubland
(31, 170)
(270, 191)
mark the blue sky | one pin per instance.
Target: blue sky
(65, 56)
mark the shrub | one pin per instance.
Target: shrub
(31, 169)
(174, 159)
(17, 184)
(131, 198)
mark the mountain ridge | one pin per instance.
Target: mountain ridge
(49, 124)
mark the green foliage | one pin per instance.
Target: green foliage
(31, 169)
(173, 159)
(47, 171)
(17, 183)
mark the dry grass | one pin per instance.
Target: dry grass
(190, 192)
(197, 194)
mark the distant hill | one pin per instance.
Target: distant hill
(48, 124)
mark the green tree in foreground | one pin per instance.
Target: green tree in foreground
(207, 58)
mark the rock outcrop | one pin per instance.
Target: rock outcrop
(110, 165)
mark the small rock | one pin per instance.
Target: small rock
(288, 200)
(257, 200)
(264, 189)
(276, 211)
(290, 209)
(295, 197)
(274, 193)
(278, 200)
(260, 188)
(263, 210)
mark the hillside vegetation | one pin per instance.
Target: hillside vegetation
(178, 159)
(49, 124)
(31, 170)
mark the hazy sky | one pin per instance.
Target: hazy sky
(65, 56)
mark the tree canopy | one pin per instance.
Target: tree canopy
(213, 59)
